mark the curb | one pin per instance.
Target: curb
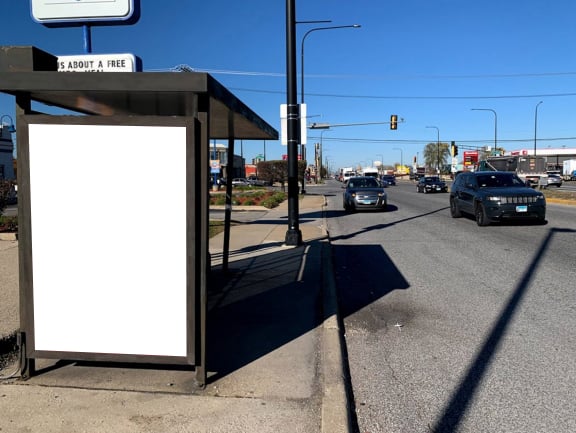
(560, 201)
(8, 236)
(240, 208)
(336, 416)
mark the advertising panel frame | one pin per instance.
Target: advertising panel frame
(41, 288)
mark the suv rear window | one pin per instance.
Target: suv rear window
(499, 180)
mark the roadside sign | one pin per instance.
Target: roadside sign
(284, 124)
(98, 63)
(214, 166)
(470, 157)
(79, 11)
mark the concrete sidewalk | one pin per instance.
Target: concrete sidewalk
(274, 357)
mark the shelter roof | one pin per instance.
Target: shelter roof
(142, 94)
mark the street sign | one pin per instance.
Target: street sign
(284, 124)
(79, 11)
(98, 63)
(214, 166)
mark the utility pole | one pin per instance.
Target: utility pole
(293, 234)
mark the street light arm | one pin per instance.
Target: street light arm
(355, 26)
(536, 124)
(437, 131)
(437, 147)
(10, 126)
(495, 123)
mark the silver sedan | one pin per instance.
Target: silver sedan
(364, 193)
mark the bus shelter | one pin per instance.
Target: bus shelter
(102, 278)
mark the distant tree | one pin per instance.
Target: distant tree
(277, 171)
(436, 155)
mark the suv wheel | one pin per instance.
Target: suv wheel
(454, 209)
(480, 214)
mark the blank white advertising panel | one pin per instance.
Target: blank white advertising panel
(108, 224)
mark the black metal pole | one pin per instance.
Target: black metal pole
(293, 234)
(535, 125)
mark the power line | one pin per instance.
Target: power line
(382, 77)
(333, 95)
(418, 141)
(186, 68)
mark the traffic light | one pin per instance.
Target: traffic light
(393, 121)
(454, 149)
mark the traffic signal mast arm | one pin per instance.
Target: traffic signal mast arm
(329, 125)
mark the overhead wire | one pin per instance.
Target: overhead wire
(186, 68)
(485, 141)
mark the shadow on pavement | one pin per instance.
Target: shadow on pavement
(456, 408)
(369, 275)
(261, 304)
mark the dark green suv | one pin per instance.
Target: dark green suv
(494, 196)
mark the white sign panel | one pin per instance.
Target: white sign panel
(97, 63)
(53, 11)
(108, 283)
(284, 124)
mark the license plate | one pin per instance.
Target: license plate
(367, 202)
(521, 208)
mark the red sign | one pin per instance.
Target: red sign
(470, 157)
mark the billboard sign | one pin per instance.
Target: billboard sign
(470, 158)
(98, 63)
(68, 12)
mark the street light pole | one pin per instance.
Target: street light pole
(437, 147)
(293, 234)
(536, 124)
(401, 157)
(495, 124)
(319, 177)
(381, 163)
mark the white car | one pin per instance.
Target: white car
(240, 181)
(554, 180)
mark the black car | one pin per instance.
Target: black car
(388, 179)
(494, 196)
(364, 193)
(428, 184)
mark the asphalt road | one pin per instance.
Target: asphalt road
(451, 327)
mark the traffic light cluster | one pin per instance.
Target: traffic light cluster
(453, 149)
(393, 121)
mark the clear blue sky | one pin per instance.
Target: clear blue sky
(428, 61)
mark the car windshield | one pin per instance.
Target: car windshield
(431, 179)
(501, 180)
(368, 182)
